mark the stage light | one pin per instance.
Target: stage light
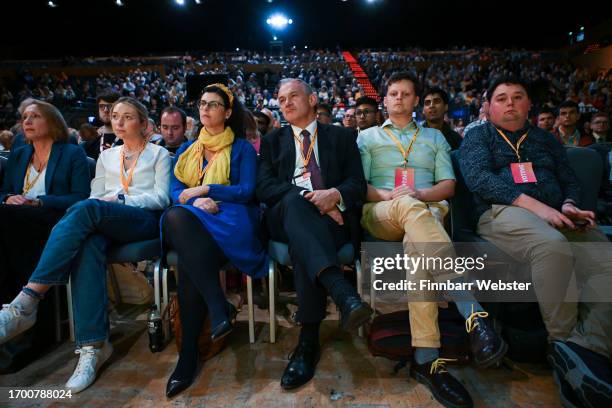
(581, 28)
(119, 3)
(180, 2)
(278, 21)
(52, 4)
(275, 38)
(198, 1)
(237, 49)
(305, 47)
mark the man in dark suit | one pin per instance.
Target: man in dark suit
(311, 178)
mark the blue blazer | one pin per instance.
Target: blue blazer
(67, 179)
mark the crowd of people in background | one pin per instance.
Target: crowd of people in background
(145, 117)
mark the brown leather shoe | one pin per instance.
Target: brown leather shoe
(446, 389)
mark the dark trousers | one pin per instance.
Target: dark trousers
(24, 231)
(313, 240)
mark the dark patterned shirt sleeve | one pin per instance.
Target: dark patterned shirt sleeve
(476, 162)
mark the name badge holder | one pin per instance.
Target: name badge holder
(522, 172)
(404, 176)
(303, 178)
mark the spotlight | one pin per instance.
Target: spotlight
(278, 21)
(119, 3)
(52, 4)
(198, 1)
(180, 2)
(275, 38)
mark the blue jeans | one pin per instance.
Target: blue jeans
(77, 249)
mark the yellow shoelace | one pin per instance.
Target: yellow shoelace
(439, 365)
(470, 324)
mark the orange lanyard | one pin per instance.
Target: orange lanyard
(306, 159)
(202, 171)
(27, 185)
(518, 144)
(405, 152)
(126, 183)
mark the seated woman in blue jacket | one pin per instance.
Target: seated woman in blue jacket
(214, 220)
(41, 180)
(128, 194)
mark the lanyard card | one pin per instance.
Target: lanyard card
(523, 173)
(404, 176)
(303, 180)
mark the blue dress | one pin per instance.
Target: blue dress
(235, 227)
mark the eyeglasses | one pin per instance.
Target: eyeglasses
(364, 112)
(105, 106)
(212, 105)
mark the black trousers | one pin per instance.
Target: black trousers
(24, 231)
(313, 240)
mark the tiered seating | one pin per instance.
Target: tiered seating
(361, 76)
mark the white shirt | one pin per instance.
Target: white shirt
(298, 139)
(299, 163)
(150, 186)
(38, 189)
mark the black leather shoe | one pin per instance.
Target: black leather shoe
(176, 385)
(302, 364)
(354, 312)
(445, 388)
(486, 345)
(226, 326)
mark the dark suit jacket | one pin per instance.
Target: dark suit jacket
(340, 164)
(67, 179)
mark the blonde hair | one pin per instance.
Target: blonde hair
(143, 113)
(58, 130)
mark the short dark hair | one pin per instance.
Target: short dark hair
(568, 104)
(507, 79)
(435, 90)
(325, 107)
(261, 115)
(546, 109)
(109, 96)
(366, 100)
(173, 109)
(598, 114)
(404, 76)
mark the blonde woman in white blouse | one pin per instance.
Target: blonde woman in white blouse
(130, 190)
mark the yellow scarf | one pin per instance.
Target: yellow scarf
(189, 169)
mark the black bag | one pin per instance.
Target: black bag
(389, 336)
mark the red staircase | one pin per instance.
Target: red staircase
(361, 76)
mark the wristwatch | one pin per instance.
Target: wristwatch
(121, 198)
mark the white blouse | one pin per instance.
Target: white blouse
(150, 186)
(39, 188)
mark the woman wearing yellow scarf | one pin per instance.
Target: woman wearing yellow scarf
(214, 219)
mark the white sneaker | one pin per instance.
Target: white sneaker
(14, 322)
(90, 361)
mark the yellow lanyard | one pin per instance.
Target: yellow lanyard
(405, 152)
(27, 186)
(306, 159)
(518, 144)
(126, 183)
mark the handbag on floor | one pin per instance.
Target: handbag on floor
(207, 348)
(389, 336)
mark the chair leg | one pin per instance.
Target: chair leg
(250, 310)
(165, 300)
(70, 316)
(372, 291)
(359, 287)
(156, 288)
(272, 304)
